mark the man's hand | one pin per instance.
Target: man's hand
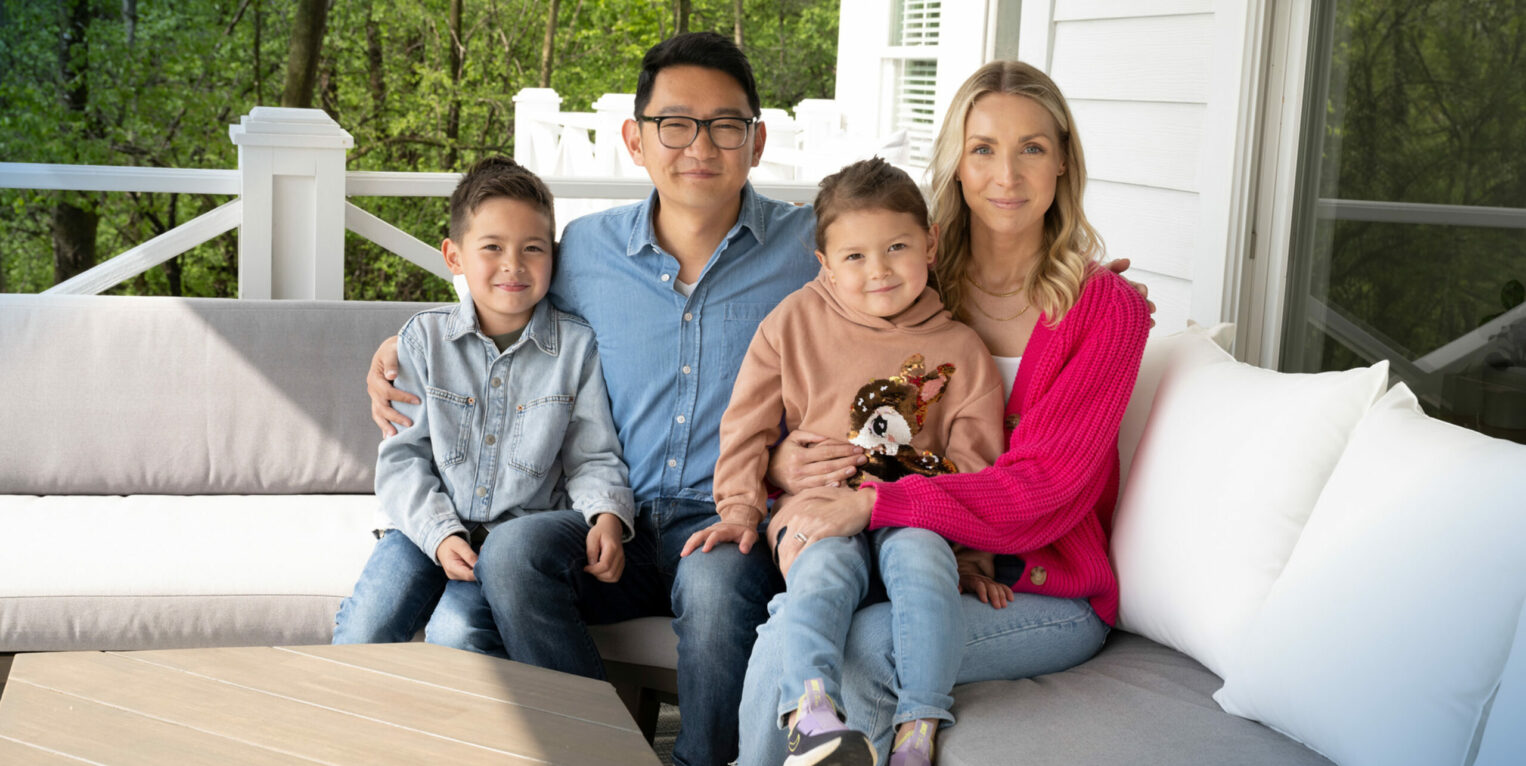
(606, 555)
(457, 558)
(804, 460)
(1121, 265)
(738, 526)
(379, 387)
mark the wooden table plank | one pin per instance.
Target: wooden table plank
(502, 721)
(16, 753)
(104, 734)
(488, 676)
(260, 719)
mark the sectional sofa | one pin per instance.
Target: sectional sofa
(1312, 570)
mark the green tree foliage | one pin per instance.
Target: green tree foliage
(164, 95)
(1426, 105)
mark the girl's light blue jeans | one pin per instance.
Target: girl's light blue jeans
(832, 578)
(1032, 636)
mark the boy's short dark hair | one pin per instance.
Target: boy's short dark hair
(491, 178)
(871, 183)
(703, 49)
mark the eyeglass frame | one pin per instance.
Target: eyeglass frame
(749, 122)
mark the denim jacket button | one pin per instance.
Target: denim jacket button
(688, 315)
(672, 463)
(491, 440)
(482, 492)
(471, 400)
(497, 382)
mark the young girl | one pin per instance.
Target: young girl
(866, 352)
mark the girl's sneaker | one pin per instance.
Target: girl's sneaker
(820, 737)
(914, 747)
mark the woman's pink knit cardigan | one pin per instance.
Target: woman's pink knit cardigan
(1050, 497)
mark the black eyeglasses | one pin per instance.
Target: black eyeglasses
(678, 132)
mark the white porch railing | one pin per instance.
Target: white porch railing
(291, 188)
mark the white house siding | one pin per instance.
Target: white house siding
(1139, 75)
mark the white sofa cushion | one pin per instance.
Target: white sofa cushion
(1387, 631)
(1230, 462)
(157, 571)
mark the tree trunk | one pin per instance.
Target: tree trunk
(736, 15)
(259, 68)
(457, 61)
(374, 61)
(130, 20)
(73, 240)
(546, 49)
(172, 267)
(74, 227)
(681, 18)
(306, 45)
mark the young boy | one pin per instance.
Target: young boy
(866, 352)
(515, 418)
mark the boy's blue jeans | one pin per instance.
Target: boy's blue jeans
(530, 572)
(396, 593)
(832, 577)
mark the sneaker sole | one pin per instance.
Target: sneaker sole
(851, 750)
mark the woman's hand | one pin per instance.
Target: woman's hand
(379, 387)
(804, 460)
(830, 512)
(1120, 265)
(984, 588)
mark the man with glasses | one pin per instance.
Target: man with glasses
(674, 288)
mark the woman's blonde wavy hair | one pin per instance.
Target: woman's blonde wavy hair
(1071, 245)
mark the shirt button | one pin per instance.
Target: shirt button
(1038, 576)
(491, 440)
(680, 418)
(497, 382)
(482, 492)
(688, 315)
(664, 277)
(672, 463)
(686, 369)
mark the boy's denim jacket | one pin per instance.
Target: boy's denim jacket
(499, 435)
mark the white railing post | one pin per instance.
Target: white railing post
(291, 241)
(534, 140)
(613, 110)
(817, 122)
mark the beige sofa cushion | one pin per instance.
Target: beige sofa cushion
(121, 395)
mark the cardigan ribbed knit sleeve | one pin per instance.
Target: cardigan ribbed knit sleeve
(1047, 497)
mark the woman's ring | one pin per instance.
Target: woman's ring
(802, 538)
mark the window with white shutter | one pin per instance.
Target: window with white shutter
(913, 50)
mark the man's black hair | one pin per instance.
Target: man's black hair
(702, 49)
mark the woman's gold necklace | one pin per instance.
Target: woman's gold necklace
(989, 315)
(993, 294)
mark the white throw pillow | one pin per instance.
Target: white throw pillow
(1157, 350)
(1504, 743)
(1388, 629)
(1229, 465)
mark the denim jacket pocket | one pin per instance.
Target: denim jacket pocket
(452, 414)
(539, 427)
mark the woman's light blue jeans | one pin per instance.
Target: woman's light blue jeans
(832, 577)
(1032, 636)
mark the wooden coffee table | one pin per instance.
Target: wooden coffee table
(373, 704)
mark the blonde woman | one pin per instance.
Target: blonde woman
(1018, 262)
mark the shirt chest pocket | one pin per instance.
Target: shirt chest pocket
(450, 418)
(540, 425)
(742, 321)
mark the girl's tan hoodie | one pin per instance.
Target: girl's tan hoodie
(809, 358)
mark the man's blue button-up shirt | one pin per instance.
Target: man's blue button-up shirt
(670, 360)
